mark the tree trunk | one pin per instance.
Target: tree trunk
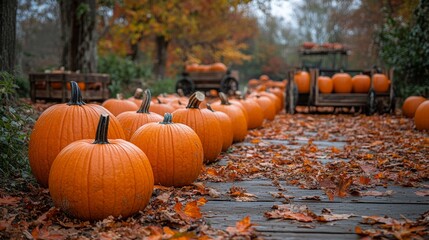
(161, 57)
(7, 35)
(78, 35)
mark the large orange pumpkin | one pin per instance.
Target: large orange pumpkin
(132, 120)
(421, 117)
(274, 98)
(174, 150)
(302, 80)
(238, 119)
(92, 180)
(226, 126)
(361, 83)
(342, 83)
(204, 123)
(256, 114)
(60, 125)
(119, 105)
(280, 94)
(411, 104)
(380, 83)
(326, 84)
(218, 67)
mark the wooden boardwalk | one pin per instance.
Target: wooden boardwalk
(226, 211)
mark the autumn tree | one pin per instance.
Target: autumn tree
(78, 18)
(7, 35)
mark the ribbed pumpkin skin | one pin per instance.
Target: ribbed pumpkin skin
(205, 124)
(274, 98)
(361, 83)
(302, 80)
(421, 118)
(268, 107)
(161, 108)
(118, 106)
(280, 94)
(239, 124)
(131, 121)
(59, 126)
(342, 83)
(256, 114)
(380, 83)
(174, 150)
(93, 181)
(237, 103)
(226, 126)
(326, 84)
(411, 104)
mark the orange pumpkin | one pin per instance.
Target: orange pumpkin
(326, 84)
(238, 119)
(60, 125)
(218, 67)
(411, 104)
(263, 78)
(204, 123)
(421, 118)
(192, 68)
(174, 150)
(256, 114)
(280, 95)
(253, 83)
(302, 80)
(226, 126)
(161, 108)
(92, 180)
(82, 86)
(380, 83)
(137, 98)
(267, 105)
(119, 105)
(274, 98)
(342, 83)
(132, 120)
(57, 85)
(361, 83)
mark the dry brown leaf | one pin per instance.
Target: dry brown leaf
(422, 193)
(8, 200)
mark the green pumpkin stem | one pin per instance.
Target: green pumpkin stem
(102, 129)
(195, 100)
(76, 95)
(144, 107)
(224, 99)
(168, 119)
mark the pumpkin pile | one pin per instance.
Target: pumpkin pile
(343, 83)
(215, 67)
(102, 160)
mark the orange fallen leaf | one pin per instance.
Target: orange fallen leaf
(190, 212)
(255, 140)
(8, 200)
(242, 227)
(364, 180)
(202, 201)
(335, 150)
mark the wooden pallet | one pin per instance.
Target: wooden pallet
(54, 87)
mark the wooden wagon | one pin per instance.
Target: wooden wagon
(371, 102)
(54, 87)
(226, 82)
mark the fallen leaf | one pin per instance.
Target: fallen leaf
(315, 198)
(333, 217)
(242, 227)
(8, 200)
(190, 212)
(422, 193)
(202, 201)
(377, 193)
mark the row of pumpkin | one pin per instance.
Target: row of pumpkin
(417, 107)
(99, 166)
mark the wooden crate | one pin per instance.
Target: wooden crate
(54, 87)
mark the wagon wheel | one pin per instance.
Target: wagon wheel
(186, 85)
(229, 85)
(370, 103)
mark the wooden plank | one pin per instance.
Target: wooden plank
(316, 235)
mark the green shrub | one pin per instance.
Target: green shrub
(167, 85)
(125, 75)
(15, 127)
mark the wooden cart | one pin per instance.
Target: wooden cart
(226, 82)
(372, 102)
(54, 87)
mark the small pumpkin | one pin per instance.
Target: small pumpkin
(60, 125)
(226, 127)
(161, 108)
(380, 83)
(92, 180)
(119, 105)
(204, 123)
(411, 104)
(267, 105)
(238, 119)
(174, 150)
(421, 117)
(218, 67)
(326, 84)
(342, 83)
(361, 83)
(132, 120)
(302, 80)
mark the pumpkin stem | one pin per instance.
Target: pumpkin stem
(120, 96)
(138, 93)
(168, 119)
(195, 99)
(144, 107)
(224, 99)
(102, 129)
(209, 107)
(76, 95)
(180, 92)
(159, 100)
